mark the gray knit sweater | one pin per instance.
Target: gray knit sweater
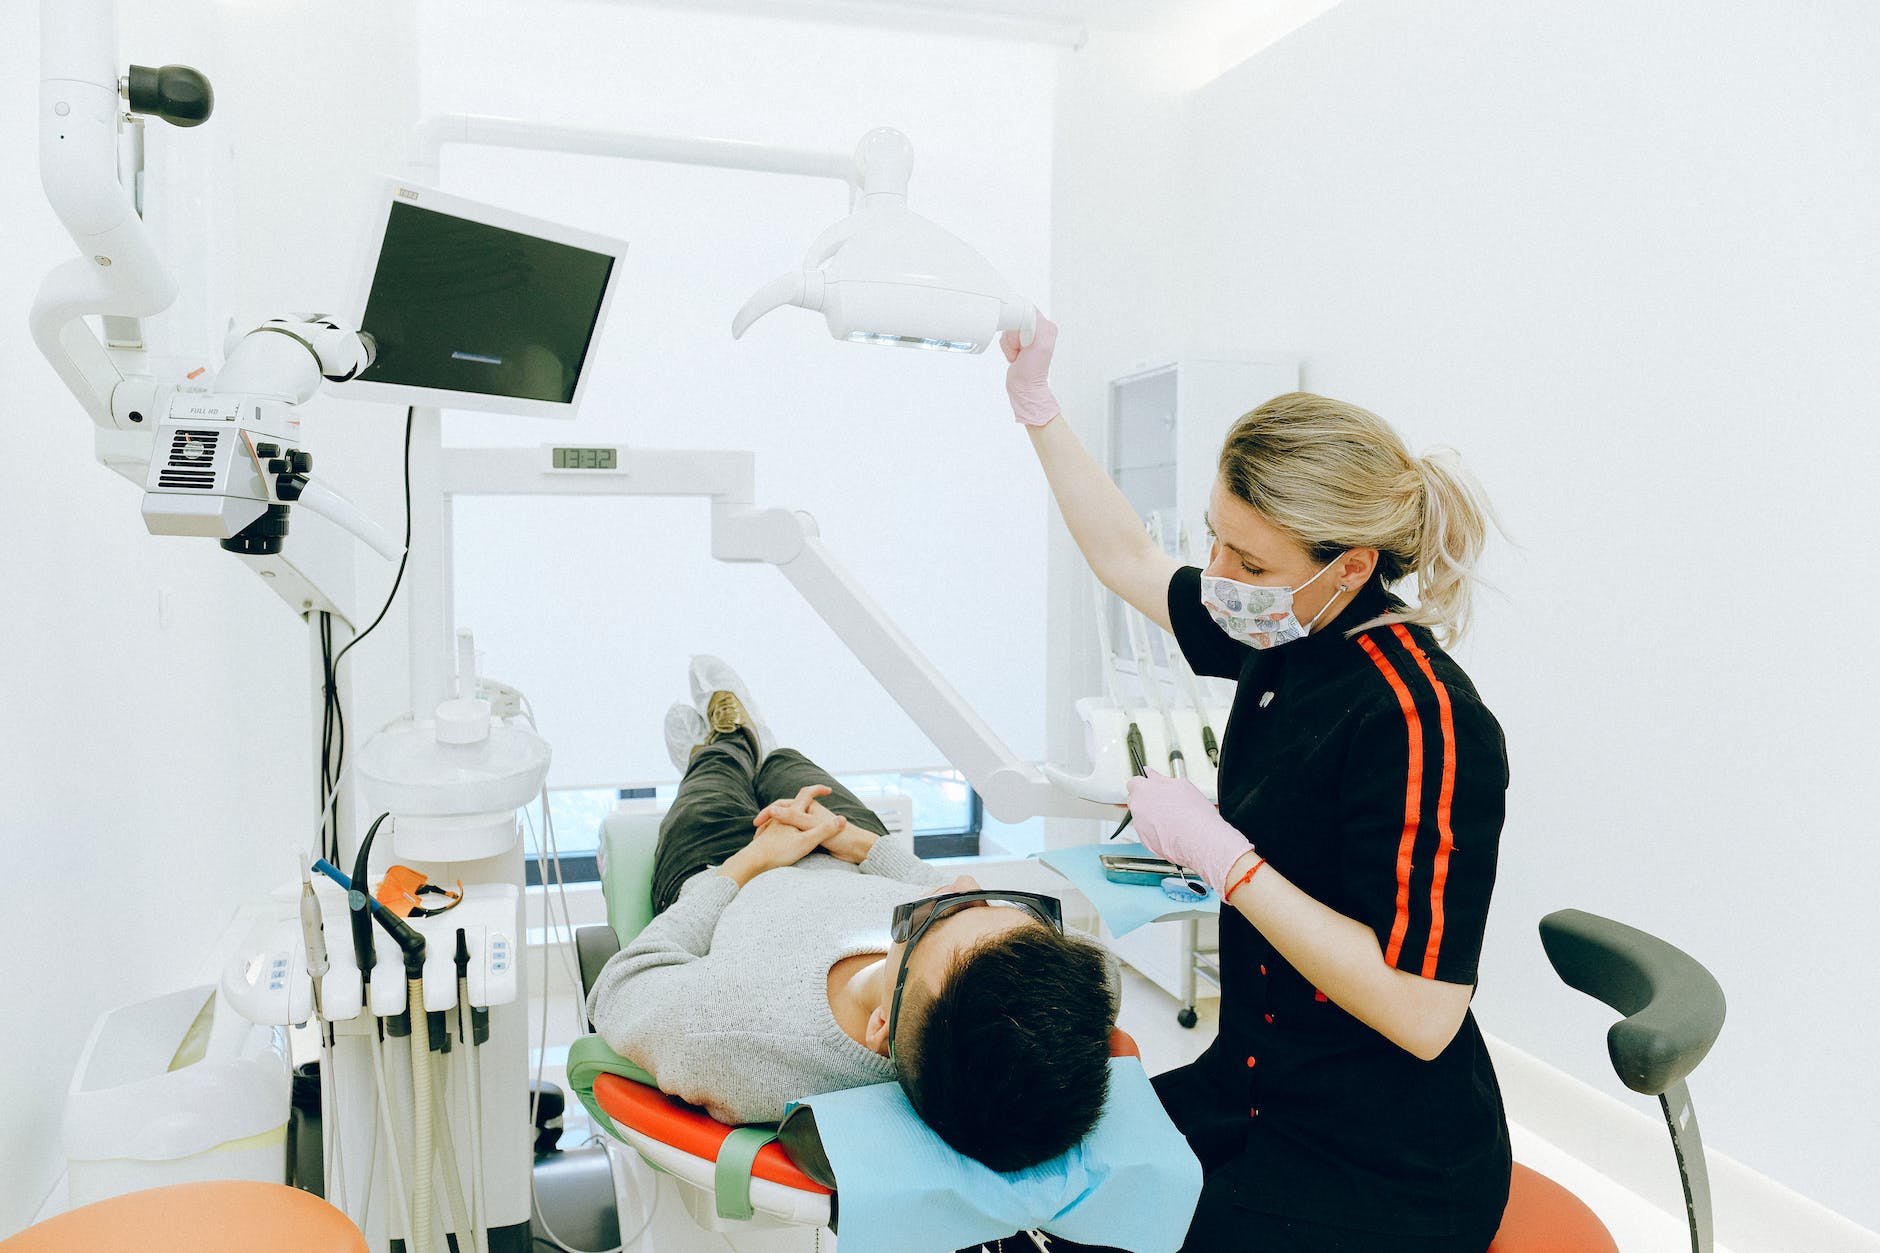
(724, 998)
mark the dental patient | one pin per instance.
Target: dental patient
(784, 921)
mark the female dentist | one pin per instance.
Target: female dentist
(1348, 1102)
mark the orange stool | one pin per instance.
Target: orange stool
(1543, 1217)
(225, 1216)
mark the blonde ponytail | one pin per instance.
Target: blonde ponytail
(1456, 518)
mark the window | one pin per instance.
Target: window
(948, 817)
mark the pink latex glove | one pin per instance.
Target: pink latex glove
(1174, 820)
(1025, 382)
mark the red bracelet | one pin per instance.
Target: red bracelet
(1242, 881)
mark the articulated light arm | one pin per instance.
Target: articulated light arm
(1012, 788)
(500, 132)
(881, 275)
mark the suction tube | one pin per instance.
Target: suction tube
(425, 1148)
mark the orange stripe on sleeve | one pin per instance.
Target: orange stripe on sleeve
(1413, 792)
(1447, 837)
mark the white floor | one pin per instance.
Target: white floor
(1148, 1014)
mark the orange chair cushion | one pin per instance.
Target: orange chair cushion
(224, 1216)
(1543, 1217)
(689, 1129)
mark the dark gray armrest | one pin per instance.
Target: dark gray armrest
(1673, 1007)
(593, 946)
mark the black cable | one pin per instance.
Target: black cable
(329, 760)
(333, 734)
(392, 595)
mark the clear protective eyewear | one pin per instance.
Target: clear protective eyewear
(913, 919)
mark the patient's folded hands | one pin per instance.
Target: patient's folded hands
(849, 843)
(778, 843)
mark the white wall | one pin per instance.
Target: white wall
(1117, 258)
(156, 773)
(1622, 256)
(907, 460)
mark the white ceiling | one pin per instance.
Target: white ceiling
(1125, 15)
(1055, 21)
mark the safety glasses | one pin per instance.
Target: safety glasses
(913, 919)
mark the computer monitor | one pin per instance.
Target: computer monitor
(476, 307)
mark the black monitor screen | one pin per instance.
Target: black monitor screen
(467, 307)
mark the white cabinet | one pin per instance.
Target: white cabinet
(1167, 421)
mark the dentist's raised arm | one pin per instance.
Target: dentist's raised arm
(1099, 516)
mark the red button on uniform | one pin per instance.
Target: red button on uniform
(1263, 970)
(1253, 1113)
(1269, 1018)
(1249, 1061)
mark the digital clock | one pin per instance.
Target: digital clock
(584, 458)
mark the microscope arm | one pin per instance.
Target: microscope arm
(335, 508)
(117, 270)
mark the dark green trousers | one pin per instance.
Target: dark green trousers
(723, 789)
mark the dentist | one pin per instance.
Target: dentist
(1348, 1101)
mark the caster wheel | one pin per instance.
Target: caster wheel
(1186, 1017)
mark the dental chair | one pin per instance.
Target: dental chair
(1672, 1013)
(739, 1177)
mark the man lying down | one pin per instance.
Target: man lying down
(782, 920)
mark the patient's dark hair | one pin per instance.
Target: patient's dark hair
(1009, 1061)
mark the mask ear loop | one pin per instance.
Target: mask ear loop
(1332, 600)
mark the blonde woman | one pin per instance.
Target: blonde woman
(1348, 1102)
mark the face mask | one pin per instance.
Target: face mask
(1261, 617)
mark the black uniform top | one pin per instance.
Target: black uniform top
(1367, 771)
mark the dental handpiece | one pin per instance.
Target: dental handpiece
(313, 934)
(1138, 764)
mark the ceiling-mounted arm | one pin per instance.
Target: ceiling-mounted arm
(729, 154)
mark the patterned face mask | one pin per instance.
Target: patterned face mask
(1261, 617)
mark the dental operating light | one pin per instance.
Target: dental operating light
(886, 275)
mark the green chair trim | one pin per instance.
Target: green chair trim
(731, 1178)
(588, 1059)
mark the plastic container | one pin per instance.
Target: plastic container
(176, 1090)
